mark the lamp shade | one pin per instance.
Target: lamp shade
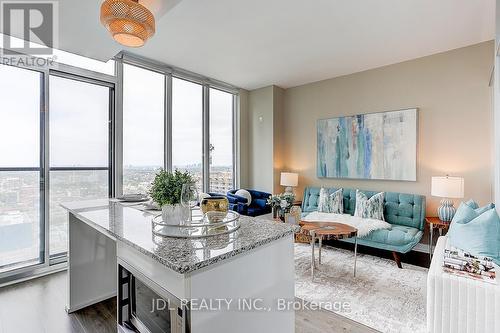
(129, 22)
(447, 187)
(289, 179)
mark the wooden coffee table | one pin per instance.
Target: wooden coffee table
(328, 230)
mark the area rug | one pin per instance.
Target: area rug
(381, 296)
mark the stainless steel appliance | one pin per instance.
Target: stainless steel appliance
(145, 307)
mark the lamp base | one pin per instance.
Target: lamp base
(289, 189)
(446, 211)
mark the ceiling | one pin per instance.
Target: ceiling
(256, 43)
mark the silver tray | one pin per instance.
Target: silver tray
(199, 227)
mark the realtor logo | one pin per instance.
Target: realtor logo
(29, 21)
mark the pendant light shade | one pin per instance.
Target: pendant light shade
(129, 22)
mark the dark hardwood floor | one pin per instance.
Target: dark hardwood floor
(37, 306)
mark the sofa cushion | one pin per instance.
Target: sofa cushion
(324, 201)
(245, 194)
(372, 208)
(398, 235)
(479, 210)
(472, 204)
(479, 235)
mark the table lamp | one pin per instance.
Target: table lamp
(447, 188)
(289, 180)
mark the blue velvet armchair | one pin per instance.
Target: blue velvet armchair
(257, 207)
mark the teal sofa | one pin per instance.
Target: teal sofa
(405, 212)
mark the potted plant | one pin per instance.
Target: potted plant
(166, 190)
(281, 204)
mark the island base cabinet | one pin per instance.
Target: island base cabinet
(238, 295)
(91, 266)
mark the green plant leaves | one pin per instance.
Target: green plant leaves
(167, 186)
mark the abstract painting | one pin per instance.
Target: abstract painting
(369, 146)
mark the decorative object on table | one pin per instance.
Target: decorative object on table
(447, 188)
(476, 231)
(215, 204)
(293, 217)
(190, 197)
(461, 263)
(133, 197)
(372, 208)
(204, 195)
(204, 227)
(330, 203)
(129, 22)
(166, 191)
(257, 206)
(281, 203)
(360, 146)
(435, 223)
(289, 180)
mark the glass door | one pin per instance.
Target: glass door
(21, 193)
(80, 146)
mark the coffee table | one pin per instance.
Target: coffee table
(328, 230)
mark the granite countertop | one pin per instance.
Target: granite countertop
(133, 227)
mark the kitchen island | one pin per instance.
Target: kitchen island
(236, 282)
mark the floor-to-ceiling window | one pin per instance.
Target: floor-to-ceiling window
(143, 127)
(21, 227)
(221, 141)
(187, 128)
(164, 126)
(58, 134)
(56, 129)
(79, 127)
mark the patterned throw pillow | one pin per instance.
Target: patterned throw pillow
(337, 202)
(372, 208)
(323, 201)
(330, 203)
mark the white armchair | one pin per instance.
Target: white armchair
(458, 304)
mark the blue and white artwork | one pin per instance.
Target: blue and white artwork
(369, 146)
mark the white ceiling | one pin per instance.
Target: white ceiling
(256, 43)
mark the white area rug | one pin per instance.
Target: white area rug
(381, 296)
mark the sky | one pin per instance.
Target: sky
(78, 114)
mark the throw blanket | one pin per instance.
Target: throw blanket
(364, 226)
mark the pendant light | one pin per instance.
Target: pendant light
(129, 22)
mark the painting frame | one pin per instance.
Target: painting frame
(380, 145)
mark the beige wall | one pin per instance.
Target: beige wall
(260, 134)
(261, 120)
(243, 142)
(455, 119)
(278, 137)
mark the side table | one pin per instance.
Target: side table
(435, 223)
